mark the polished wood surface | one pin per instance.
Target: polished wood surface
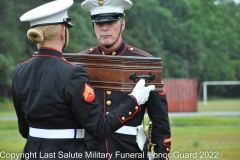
(113, 72)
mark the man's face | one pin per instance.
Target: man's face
(107, 32)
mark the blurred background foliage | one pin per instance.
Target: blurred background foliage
(196, 39)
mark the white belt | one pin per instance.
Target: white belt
(127, 130)
(56, 133)
(137, 131)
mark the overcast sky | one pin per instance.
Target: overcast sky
(237, 1)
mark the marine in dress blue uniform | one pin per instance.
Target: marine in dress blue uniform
(125, 139)
(54, 100)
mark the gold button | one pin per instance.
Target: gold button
(123, 118)
(167, 149)
(113, 53)
(130, 113)
(136, 141)
(131, 48)
(136, 107)
(91, 49)
(108, 102)
(107, 112)
(109, 92)
(103, 53)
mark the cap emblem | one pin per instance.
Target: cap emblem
(100, 2)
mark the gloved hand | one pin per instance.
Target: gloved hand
(140, 92)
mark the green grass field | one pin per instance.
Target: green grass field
(206, 136)
(220, 105)
(193, 138)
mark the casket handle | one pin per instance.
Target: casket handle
(149, 77)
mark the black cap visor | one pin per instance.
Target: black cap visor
(66, 22)
(70, 25)
(106, 17)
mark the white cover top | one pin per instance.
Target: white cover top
(108, 6)
(52, 12)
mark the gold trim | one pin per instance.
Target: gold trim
(166, 140)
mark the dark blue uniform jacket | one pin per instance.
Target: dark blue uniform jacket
(157, 110)
(51, 93)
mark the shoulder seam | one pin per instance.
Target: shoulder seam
(25, 62)
(64, 60)
(142, 53)
(88, 51)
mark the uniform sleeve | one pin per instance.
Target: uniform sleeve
(80, 94)
(158, 113)
(22, 123)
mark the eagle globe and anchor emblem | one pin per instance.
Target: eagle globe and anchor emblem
(100, 2)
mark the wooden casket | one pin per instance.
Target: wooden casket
(119, 73)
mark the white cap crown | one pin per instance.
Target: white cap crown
(50, 13)
(106, 6)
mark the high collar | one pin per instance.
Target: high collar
(45, 51)
(117, 51)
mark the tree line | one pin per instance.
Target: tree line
(195, 39)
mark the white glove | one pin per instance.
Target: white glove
(140, 92)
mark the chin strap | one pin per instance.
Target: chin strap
(117, 38)
(65, 43)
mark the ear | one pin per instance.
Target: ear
(123, 24)
(62, 34)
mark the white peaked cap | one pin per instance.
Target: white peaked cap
(106, 6)
(50, 13)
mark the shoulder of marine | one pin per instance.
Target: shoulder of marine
(24, 62)
(121, 50)
(138, 52)
(88, 51)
